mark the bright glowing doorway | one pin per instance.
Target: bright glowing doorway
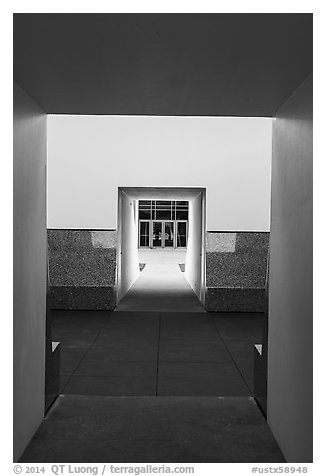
(132, 234)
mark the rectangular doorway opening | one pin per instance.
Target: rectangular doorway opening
(161, 220)
(163, 223)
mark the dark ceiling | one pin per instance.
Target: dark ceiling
(162, 64)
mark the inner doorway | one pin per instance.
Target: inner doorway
(163, 223)
(162, 234)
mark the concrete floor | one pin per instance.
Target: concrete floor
(155, 387)
(102, 429)
(161, 286)
(160, 380)
(147, 353)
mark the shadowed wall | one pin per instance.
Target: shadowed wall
(290, 373)
(30, 267)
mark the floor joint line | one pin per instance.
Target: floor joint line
(158, 351)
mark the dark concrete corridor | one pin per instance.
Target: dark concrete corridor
(146, 353)
(155, 387)
(102, 429)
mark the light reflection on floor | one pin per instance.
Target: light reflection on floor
(161, 285)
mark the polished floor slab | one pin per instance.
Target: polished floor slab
(153, 353)
(201, 379)
(88, 429)
(114, 385)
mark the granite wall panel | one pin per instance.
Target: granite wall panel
(82, 267)
(236, 265)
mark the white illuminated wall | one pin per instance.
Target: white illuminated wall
(89, 157)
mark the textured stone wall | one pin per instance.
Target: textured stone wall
(236, 265)
(82, 267)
